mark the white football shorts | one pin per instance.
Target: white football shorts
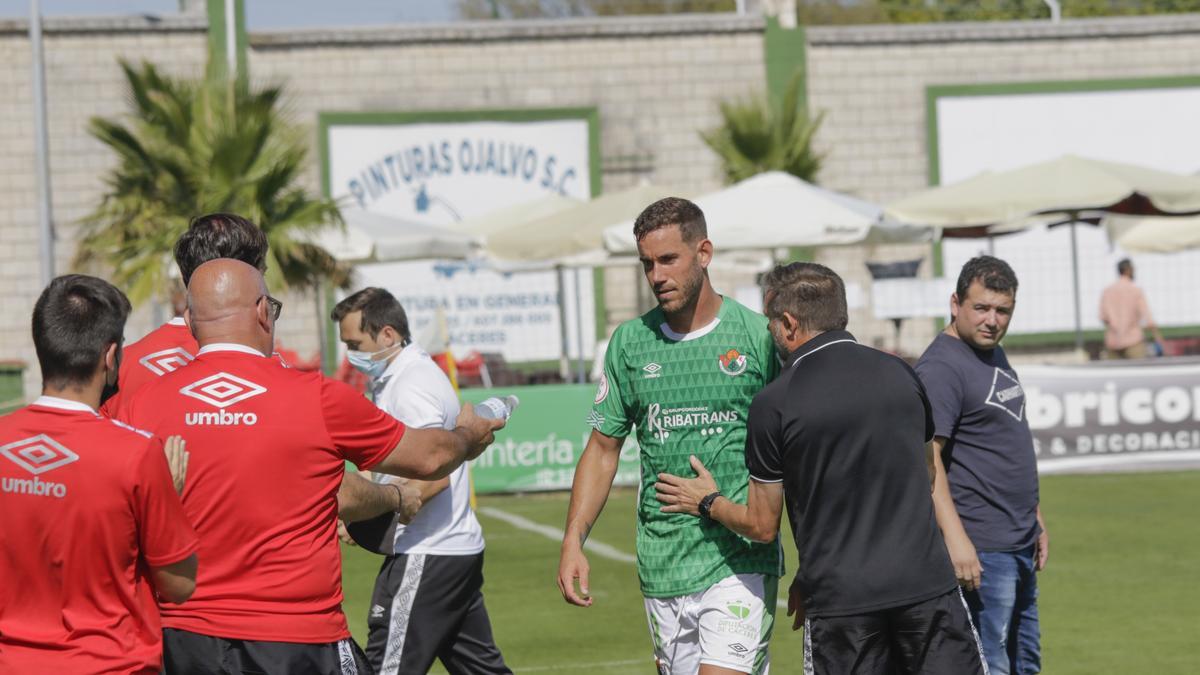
(728, 625)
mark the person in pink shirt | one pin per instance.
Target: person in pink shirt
(1124, 311)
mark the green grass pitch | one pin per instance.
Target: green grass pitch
(1120, 593)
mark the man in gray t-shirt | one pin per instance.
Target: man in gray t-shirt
(986, 488)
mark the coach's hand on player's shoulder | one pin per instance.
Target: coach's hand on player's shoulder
(795, 604)
(967, 568)
(683, 495)
(572, 567)
(177, 460)
(480, 432)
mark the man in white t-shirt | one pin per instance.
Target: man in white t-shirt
(428, 599)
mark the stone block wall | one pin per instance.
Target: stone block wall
(82, 81)
(656, 82)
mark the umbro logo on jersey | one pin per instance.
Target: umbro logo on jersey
(221, 391)
(377, 611)
(166, 361)
(37, 455)
(651, 370)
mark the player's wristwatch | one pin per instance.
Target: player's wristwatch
(705, 504)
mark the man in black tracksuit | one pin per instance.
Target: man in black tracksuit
(842, 435)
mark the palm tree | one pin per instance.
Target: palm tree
(199, 146)
(756, 136)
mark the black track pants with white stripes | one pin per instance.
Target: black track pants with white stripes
(428, 607)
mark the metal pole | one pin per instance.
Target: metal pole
(564, 363)
(579, 367)
(322, 339)
(1075, 285)
(42, 141)
(231, 39)
(1055, 10)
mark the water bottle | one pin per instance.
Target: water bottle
(497, 408)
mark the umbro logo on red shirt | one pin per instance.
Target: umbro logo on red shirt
(37, 455)
(221, 391)
(167, 360)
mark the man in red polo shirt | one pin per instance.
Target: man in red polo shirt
(171, 345)
(90, 524)
(268, 446)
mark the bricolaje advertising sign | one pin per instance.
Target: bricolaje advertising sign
(541, 444)
(1098, 414)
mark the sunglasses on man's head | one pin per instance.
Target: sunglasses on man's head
(276, 306)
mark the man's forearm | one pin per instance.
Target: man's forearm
(430, 488)
(943, 503)
(736, 517)
(427, 454)
(360, 499)
(589, 491)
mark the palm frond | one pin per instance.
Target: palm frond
(756, 136)
(189, 147)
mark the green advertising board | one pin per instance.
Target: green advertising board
(541, 444)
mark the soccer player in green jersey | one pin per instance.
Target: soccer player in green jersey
(683, 374)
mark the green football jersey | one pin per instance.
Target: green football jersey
(688, 395)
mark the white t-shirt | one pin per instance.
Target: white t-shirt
(415, 391)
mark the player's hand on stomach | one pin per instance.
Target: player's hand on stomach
(683, 495)
(572, 566)
(967, 568)
(177, 460)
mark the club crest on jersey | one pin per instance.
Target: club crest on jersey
(166, 361)
(732, 363)
(601, 390)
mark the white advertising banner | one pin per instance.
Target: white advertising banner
(1154, 127)
(489, 312)
(442, 169)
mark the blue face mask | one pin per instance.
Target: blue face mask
(372, 364)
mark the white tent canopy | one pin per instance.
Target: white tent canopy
(373, 237)
(1069, 184)
(777, 209)
(573, 236)
(1153, 234)
(496, 223)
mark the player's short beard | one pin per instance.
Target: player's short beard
(781, 346)
(689, 292)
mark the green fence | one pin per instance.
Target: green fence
(541, 444)
(12, 390)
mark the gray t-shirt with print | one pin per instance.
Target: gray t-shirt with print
(979, 408)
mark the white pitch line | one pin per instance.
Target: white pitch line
(598, 547)
(522, 523)
(588, 666)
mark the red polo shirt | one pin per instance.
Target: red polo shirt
(162, 350)
(86, 505)
(268, 448)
